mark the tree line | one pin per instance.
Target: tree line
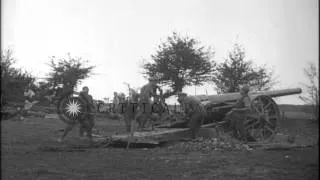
(182, 61)
(179, 61)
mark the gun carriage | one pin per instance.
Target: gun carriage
(260, 122)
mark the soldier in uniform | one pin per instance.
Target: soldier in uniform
(87, 122)
(193, 110)
(143, 112)
(122, 98)
(29, 95)
(115, 99)
(147, 92)
(235, 116)
(115, 104)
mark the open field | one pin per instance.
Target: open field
(23, 158)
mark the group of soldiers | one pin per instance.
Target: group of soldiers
(195, 113)
(151, 93)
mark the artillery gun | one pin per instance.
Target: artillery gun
(260, 123)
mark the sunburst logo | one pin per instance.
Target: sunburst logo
(73, 108)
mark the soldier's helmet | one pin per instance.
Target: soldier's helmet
(181, 94)
(245, 89)
(85, 89)
(152, 79)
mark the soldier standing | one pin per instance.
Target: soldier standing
(193, 110)
(115, 98)
(115, 104)
(146, 93)
(235, 116)
(87, 123)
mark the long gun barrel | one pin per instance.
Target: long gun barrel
(278, 93)
(229, 97)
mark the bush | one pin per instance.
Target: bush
(13, 80)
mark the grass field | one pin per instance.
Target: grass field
(23, 158)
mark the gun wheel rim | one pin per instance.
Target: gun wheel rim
(261, 125)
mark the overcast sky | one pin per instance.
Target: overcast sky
(116, 36)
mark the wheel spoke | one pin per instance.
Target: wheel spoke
(268, 122)
(262, 122)
(248, 121)
(257, 135)
(266, 106)
(261, 107)
(256, 108)
(261, 134)
(259, 99)
(254, 124)
(269, 129)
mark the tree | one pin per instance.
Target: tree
(236, 71)
(68, 70)
(179, 62)
(312, 89)
(13, 80)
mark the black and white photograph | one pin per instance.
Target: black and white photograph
(159, 89)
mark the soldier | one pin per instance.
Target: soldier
(29, 101)
(143, 111)
(87, 122)
(115, 104)
(122, 98)
(235, 116)
(67, 87)
(130, 109)
(147, 92)
(193, 110)
(29, 94)
(115, 99)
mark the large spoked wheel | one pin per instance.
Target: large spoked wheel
(71, 107)
(261, 123)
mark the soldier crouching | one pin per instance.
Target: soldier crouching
(235, 117)
(193, 110)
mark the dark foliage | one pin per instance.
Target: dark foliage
(14, 81)
(179, 62)
(236, 71)
(68, 71)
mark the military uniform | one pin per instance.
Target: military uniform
(235, 117)
(130, 107)
(194, 112)
(29, 94)
(116, 107)
(116, 99)
(147, 91)
(87, 123)
(243, 102)
(145, 104)
(28, 102)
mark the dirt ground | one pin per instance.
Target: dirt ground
(22, 157)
